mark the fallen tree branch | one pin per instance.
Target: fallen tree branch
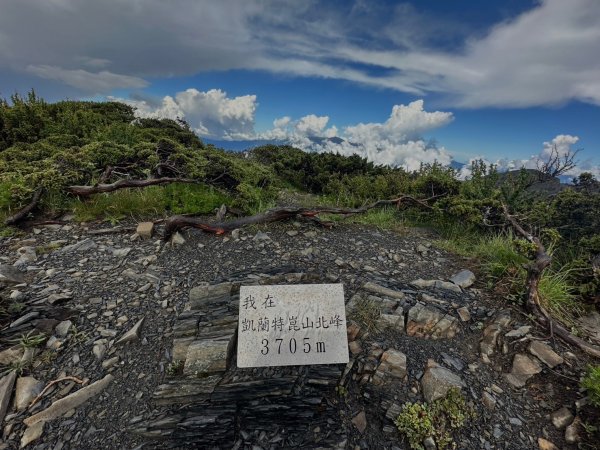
(52, 383)
(534, 275)
(86, 191)
(176, 223)
(22, 213)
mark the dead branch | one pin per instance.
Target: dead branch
(86, 191)
(22, 213)
(176, 223)
(52, 383)
(557, 164)
(534, 275)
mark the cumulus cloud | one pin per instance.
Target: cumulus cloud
(545, 55)
(395, 142)
(211, 114)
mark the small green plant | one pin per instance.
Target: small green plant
(415, 422)
(341, 391)
(31, 340)
(438, 419)
(77, 336)
(47, 357)
(175, 367)
(591, 382)
(16, 366)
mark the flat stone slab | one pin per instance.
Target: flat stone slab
(289, 325)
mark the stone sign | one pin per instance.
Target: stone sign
(289, 325)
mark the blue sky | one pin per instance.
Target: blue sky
(399, 82)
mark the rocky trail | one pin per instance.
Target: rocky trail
(141, 344)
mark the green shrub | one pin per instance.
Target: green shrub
(591, 382)
(439, 420)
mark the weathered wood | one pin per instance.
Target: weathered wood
(534, 274)
(22, 213)
(86, 191)
(176, 223)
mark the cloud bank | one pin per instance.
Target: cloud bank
(546, 55)
(397, 141)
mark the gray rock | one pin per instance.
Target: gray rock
(81, 246)
(429, 443)
(145, 229)
(133, 334)
(421, 283)
(545, 444)
(235, 234)
(32, 434)
(24, 319)
(573, 432)
(177, 239)
(562, 418)
(464, 278)
(261, 237)
(545, 353)
(360, 422)
(393, 321)
(62, 329)
(519, 332)
(523, 368)
(392, 365)
(11, 275)
(488, 400)
(207, 357)
(99, 350)
(27, 389)
(437, 381)
(121, 252)
(110, 362)
(11, 355)
(427, 321)
(26, 255)
(464, 314)
(72, 401)
(6, 387)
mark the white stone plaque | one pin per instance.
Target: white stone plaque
(290, 325)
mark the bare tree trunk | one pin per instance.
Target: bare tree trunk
(176, 223)
(86, 191)
(22, 213)
(534, 275)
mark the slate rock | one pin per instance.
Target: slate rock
(6, 388)
(145, 229)
(32, 434)
(545, 353)
(360, 422)
(133, 334)
(437, 381)
(562, 418)
(392, 365)
(11, 275)
(464, 278)
(523, 368)
(27, 389)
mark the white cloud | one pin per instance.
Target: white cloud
(211, 114)
(546, 55)
(395, 142)
(90, 82)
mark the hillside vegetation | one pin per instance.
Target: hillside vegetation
(51, 151)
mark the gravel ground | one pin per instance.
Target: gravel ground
(106, 283)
